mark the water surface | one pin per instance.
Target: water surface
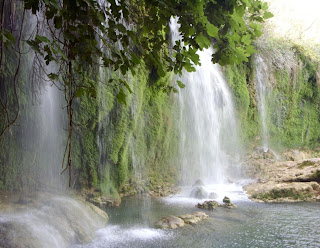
(249, 225)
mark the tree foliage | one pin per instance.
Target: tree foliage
(74, 35)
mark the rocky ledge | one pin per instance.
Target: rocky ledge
(173, 222)
(288, 181)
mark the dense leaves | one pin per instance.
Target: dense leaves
(72, 36)
(123, 33)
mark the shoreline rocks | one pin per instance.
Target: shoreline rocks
(289, 181)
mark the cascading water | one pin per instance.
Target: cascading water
(207, 121)
(52, 137)
(262, 91)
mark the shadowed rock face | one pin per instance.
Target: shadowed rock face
(199, 192)
(48, 221)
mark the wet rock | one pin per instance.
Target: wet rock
(209, 205)
(199, 193)
(169, 222)
(198, 183)
(49, 220)
(226, 200)
(227, 203)
(213, 195)
(193, 218)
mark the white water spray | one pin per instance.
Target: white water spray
(207, 121)
(261, 89)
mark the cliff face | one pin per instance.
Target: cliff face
(290, 95)
(125, 149)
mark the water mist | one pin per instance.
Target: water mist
(209, 135)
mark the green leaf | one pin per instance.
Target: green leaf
(42, 39)
(126, 85)
(180, 84)
(10, 36)
(267, 15)
(246, 39)
(203, 41)
(34, 45)
(80, 92)
(135, 58)
(121, 97)
(53, 76)
(212, 30)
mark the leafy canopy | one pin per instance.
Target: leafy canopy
(124, 33)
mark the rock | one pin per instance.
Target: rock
(282, 192)
(48, 220)
(229, 205)
(193, 218)
(226, 200)
(198, 183)
(173, 222)
(296, 155)
(213, 195)
(169, 222)
(199, 193)
(209, 205)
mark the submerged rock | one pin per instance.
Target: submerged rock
(169, 222)
(209, 205)
(199, 193)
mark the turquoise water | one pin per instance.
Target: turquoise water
(249, 225)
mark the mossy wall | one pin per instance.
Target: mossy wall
(133, 144)
(292, 98)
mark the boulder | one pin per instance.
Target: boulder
(169, 222)
(193, 218)
(226, 200)
(198, 183)
(209, 205)
(213, 195)
(173, 222)
(199, 193)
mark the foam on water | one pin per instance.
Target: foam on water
(121, 236)
(234, 191)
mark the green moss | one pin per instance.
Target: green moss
(306, 163)
(284, 193)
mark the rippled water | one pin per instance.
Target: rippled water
(249, 225)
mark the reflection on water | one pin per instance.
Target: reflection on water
(249, 225)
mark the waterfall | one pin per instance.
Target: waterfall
(208, 126)
(52, 137)
(261, 89)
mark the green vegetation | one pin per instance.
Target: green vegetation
(292, 99)
(276, 194)
(306, 163)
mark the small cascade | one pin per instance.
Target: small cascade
(262, 92)
(52, 137)
(209, 137)
(47, 220)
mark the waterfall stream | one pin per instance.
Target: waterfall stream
(262, 91)
(207, 123)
